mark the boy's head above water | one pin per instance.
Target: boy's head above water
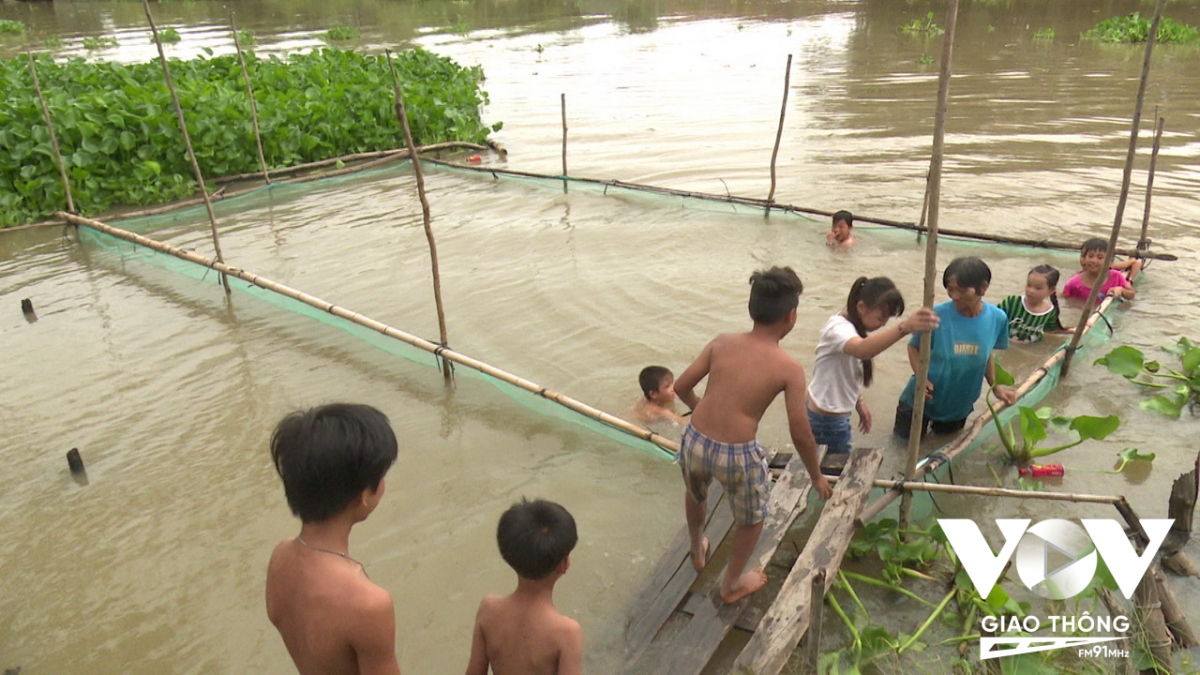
(332, 455)
(536, 538)
(966, 280)
(774, 296)
(1092, 254)
(842, 226)
(657, 383)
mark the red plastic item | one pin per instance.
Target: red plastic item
(474, 159)
(1040, 470)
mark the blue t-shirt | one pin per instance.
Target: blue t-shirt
(958, 360)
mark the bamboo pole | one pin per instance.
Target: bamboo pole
(762, 203)
(982, 491)
(425, 218)
(58, 160)
(434, 348)
(935, 191)
(187, 139)
(237, 44)
(787, 79)
(1143, 242)
(1126, 177)
(563, 98)
(401, 153)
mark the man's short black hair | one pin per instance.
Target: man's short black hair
(535, 536)
(970, 272)
(844, 215)
(328, 455)
(651, 378)
(774, 293)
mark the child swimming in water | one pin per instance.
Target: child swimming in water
(658, 396)
(1032, 314)
(847, 343)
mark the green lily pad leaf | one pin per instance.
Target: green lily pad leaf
(1095, 428)
(1045, 412)
(1190, 361)
(1124, 361)
(1003, 376)
(1163, 405)
(1152, 366)
(1033, 429)
(1131, 454)
(1060, 420)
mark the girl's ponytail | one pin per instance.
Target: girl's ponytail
(873, 293)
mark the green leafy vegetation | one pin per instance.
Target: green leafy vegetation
(246, 37)
(461, 28)
(340, 33)
(168, 35)
(926, 26)
(925, 59)
(1044, 34)
(11, 27)
(52, 42)
(99, 42)
(1178, 388)
(122, 145)
(1133, 28)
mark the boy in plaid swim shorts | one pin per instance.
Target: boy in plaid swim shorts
(745, 372)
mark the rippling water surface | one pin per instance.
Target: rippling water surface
(170, 392)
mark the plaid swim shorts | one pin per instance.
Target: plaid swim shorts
(740, 467)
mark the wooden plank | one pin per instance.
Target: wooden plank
(676, 575)
(694, 646)
(748, 621)
(788, 618)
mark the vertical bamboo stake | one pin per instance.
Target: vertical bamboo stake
(787, 79)
(563, 98)
(187, 141)
(416, 161)
(58, 160)
(1092, 299)
(237, 43)
(1143, 244)
(931, 242)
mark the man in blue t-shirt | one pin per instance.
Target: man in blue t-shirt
(961, 355)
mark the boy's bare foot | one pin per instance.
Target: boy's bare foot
(745, 585)
(699, 561)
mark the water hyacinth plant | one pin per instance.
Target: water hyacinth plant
(1134, 28)
(11, 27)
(1179, 388)
(340, 33)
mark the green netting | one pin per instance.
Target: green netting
(125, 250)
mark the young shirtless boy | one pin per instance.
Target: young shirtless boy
(523, 633)
(333, 620)
(658, 396)
(745, 371)
(841, 231)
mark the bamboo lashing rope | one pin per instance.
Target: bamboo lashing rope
(917, 428)
(444, 353)
(237, 44)
(787, 79)
(187, 139)
(1126, 178)
(58, 160)
(425, 217)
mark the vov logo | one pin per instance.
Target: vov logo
(1073, 550)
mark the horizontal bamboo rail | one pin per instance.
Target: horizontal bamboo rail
(963, 441)
(952, 488)
(764, 204)
(367, 322)
(393, 152)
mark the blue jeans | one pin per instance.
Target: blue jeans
(832, 431)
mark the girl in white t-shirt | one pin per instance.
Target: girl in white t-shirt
(848, 342)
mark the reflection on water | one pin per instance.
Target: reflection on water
(169, 391)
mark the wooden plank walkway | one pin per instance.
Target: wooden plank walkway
(787, 620)
(698, 620)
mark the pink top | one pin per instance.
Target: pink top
(1076, 289)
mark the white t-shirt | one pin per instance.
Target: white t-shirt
(837, 377)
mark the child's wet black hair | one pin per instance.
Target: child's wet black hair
(971, 272)
(876, 293)
(651, 378)
(774, 293)
(535, 536)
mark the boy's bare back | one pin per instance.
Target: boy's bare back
(518, 635)
(746, 371)
(333, 619)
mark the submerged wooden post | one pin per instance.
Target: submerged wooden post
(187, 141)
(237, 44)
(1125, 180)
(812, 647)
(787, 79)
(931, 242)
(425, 218)
(563, 98)
(1143, 241)
(58, 160)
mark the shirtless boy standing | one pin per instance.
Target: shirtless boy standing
(523, 633)
(333, 620)
(745, 371)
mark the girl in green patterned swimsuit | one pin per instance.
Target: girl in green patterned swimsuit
(1032, 314)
